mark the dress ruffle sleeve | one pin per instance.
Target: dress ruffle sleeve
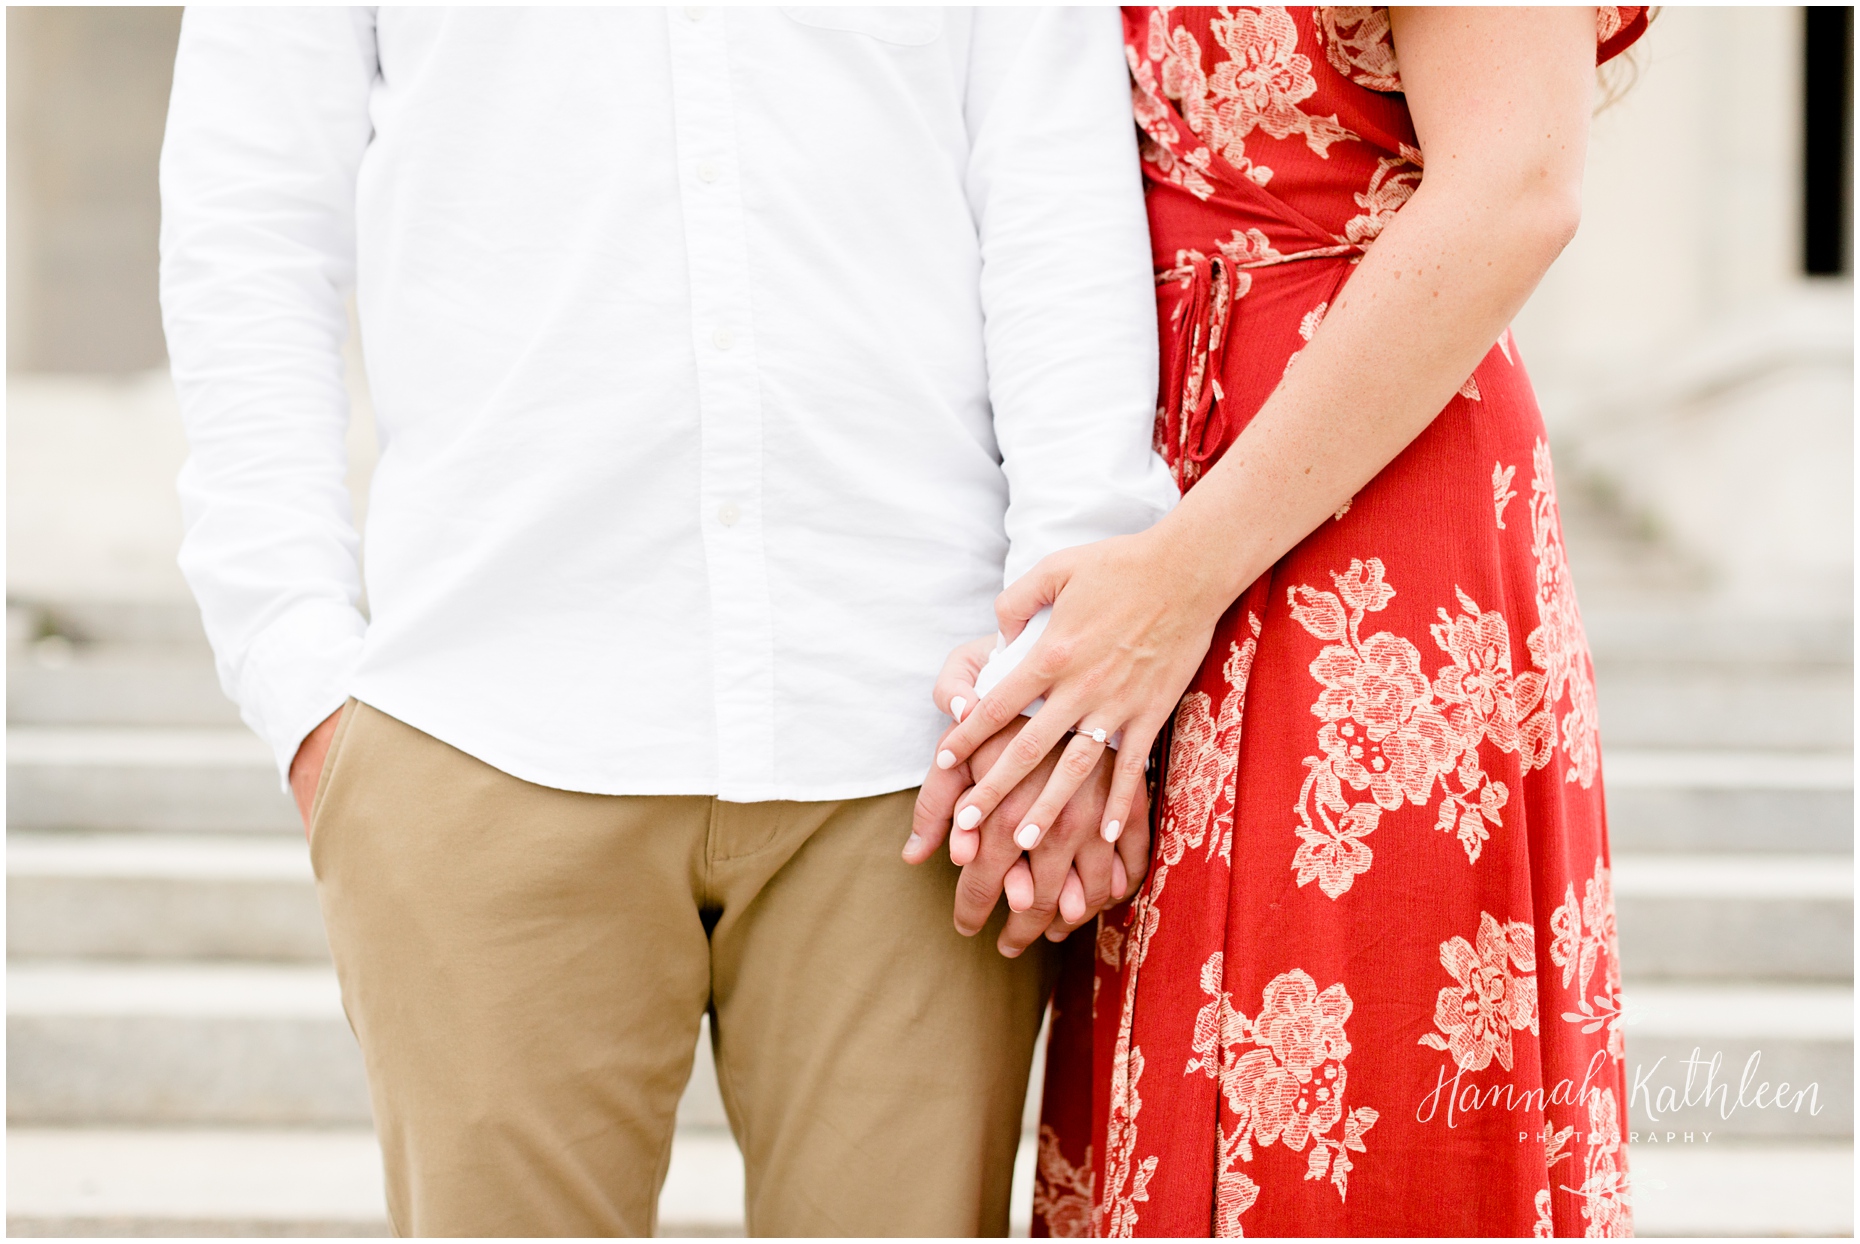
(1358, 45)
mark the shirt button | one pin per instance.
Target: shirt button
(723, 339)
(727, 513)
(696, 14)
(707, 172)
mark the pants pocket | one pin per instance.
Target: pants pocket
(330, 761)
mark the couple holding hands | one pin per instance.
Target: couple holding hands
(726, 363)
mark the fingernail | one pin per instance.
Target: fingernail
(1027, 837)
(956, 705)
(1112, 830)
(912, 843)
(1000, 641)
(945, 758)
(1010, 952)
(969, 817)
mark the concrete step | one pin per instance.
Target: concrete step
(221, 1043)
(54, 682)
(1776, 917)
(279, 1182)
(162, 896)
(252, 1182)
(166, 1043)
(1643, 704)
(1684, 635)
(1712, 800)
(1645, 633)
(1738, 1061)
(251, 897)
(1742, 1189)
(198, 780)
(174, 780)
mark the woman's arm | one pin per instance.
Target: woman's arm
(1501, 99)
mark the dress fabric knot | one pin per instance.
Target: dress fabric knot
(1191, 422)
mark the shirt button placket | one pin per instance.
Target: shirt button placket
(729, 405)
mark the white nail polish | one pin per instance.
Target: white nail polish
(1112, 830)
(969, 817)
(956, 705)
(1027, 837)
(945, 758)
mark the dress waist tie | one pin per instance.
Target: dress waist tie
(1192, 423)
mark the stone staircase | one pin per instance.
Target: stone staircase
(178, 1062)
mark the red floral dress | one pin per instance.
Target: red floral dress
(1370, 986)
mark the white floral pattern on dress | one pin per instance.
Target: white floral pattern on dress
(1062, 1192)
(1204, 756)
(1126, 1180)
(1608, 22)
(1502, 492)
(1258, 85)
(1545, 1226)
(1161, 138)
(1110, 943)
(1606, 1201)
(1583, 938)
(1559, 646)
(1198, 794)
(1307, 329)
(1494, 994)
(1288, 1088)
(1358, 45)
(1391, 732)
(1393, 183)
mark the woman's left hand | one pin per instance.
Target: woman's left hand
(1132, 619)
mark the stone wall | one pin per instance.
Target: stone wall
(1686, 365)
(86, 98)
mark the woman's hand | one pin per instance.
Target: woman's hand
(1072, 875)
(1132, 619)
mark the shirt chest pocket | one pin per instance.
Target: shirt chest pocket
(905, 26)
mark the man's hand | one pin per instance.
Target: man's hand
(307, 766)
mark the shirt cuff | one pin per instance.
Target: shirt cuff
(296, 673)
(1004, 658)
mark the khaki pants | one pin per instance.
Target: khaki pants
(526, 969)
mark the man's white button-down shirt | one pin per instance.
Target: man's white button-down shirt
(724, 363)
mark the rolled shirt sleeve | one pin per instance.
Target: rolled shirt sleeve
(266, 131)
(1067, 285)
